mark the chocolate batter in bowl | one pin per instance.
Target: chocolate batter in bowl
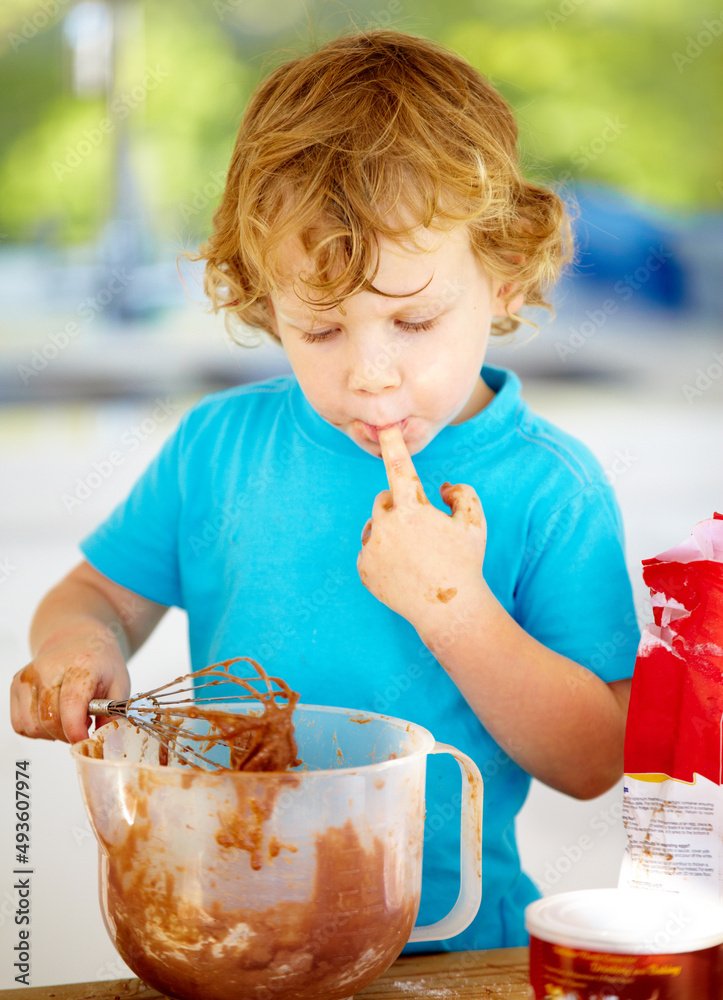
(227, 885)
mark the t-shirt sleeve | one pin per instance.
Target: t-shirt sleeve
(137, 545)
(574, 593)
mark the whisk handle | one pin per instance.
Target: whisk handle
(106, 706)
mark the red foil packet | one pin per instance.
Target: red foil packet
(673, 794)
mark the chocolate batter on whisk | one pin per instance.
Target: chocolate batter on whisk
(256, 741)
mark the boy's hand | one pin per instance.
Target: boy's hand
(49, 697)
(415, 558)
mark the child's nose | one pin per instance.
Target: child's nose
(375, 370)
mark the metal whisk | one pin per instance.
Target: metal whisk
(261, 742)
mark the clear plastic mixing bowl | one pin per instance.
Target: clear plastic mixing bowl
(289, 885)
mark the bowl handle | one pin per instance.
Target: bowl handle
(470, 889)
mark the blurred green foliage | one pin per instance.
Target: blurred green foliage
(607, 91)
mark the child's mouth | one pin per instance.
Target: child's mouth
(371, 431)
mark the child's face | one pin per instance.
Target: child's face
(414, 360)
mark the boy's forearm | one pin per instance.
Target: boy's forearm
(74, 607)
(555, 718)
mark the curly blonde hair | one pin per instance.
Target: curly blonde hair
(338, 147)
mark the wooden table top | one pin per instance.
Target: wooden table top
(457, 975)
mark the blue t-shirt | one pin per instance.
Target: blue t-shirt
(250, 519)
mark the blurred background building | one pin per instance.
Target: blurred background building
(117, 120)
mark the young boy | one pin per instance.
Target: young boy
(375, 221)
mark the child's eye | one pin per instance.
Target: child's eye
(426, 324)
(316, 338)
